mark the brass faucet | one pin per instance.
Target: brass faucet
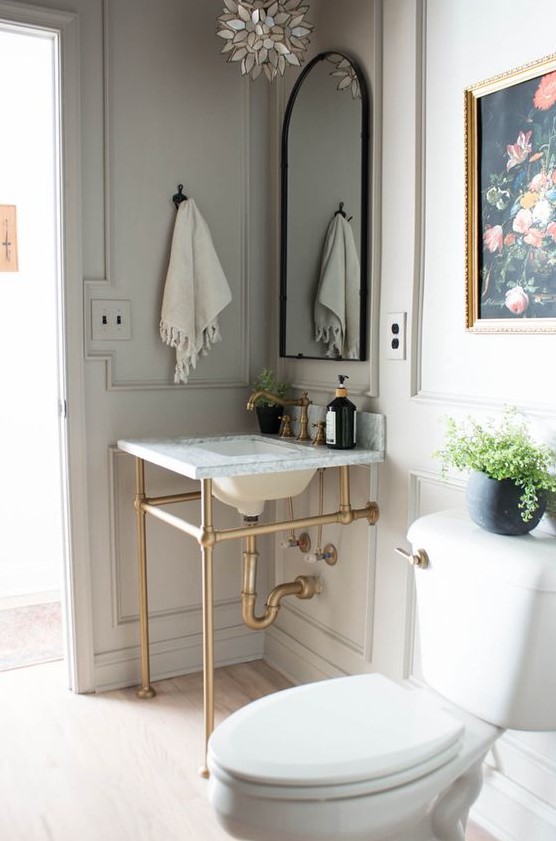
(303, 402)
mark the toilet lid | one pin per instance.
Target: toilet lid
(344, 730)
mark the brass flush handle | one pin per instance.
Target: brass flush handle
(418, 559)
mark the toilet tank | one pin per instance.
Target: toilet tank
(487, 620)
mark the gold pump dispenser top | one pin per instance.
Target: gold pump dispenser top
(341, 390)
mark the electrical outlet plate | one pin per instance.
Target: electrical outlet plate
(110, 321)
(395, 326)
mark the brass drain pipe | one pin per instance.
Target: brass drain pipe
(304, 587)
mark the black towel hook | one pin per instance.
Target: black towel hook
(342, 212)
(178, 197)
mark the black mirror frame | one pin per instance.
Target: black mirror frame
(364, 247)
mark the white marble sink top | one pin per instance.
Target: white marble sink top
(241, 455)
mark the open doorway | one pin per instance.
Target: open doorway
(32, 495)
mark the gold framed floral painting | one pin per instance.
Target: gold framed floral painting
(511, 200)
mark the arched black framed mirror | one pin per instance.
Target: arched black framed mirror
(324, 225)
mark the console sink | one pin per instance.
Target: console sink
(247, 470)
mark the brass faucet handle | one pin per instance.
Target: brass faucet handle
(286, 429)
(320, 438)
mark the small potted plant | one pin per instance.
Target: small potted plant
(268, 411)
(510, 477)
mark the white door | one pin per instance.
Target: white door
(31, 492)
(43, 476)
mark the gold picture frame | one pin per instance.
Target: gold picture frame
(8, 238)
(510, 163)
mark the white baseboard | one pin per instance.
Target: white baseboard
(511, 813)
(122, 667)
(292, 659)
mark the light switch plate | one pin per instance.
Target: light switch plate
(110, 320)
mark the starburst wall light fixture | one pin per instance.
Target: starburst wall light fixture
(264, 36)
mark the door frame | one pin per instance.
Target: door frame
(77, 592)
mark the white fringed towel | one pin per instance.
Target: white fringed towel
(196, 291)
(337, 305)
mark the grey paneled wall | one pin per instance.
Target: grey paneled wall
(174, 112)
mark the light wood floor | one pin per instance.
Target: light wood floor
(111, 767)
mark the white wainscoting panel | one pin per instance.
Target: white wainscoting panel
(332, 633)
(174, 584)
(149, 145)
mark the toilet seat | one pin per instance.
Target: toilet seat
(340, 738)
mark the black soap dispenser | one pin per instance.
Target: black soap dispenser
(340, 420)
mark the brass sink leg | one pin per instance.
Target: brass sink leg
(207, 543)
(145, 690)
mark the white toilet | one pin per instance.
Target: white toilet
(364, 759)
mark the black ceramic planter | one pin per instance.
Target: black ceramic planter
(269, 419)
(494, 505)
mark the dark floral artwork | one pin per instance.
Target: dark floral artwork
(516, 192)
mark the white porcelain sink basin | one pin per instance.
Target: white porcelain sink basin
(247, 445)
(249, 493)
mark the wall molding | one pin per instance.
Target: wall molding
(107, 286)
(228, 609)
(305, 648)
(504, 805)
(180, 650)
(418, 479)
(35, 17)
(375, 199)
(327, 388)
(121, 667)
(296, 661)
(323, 651)
(420, 197)
(479, 403)
(418, 395)
(519, 760)
(334, 637)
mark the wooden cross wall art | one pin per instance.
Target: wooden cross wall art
(8, 238)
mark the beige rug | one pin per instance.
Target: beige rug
(30, 634)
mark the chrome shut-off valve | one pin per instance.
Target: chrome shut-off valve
(328, 554)
(303, 542)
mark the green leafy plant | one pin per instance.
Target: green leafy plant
(503, 451)
(266, 381)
